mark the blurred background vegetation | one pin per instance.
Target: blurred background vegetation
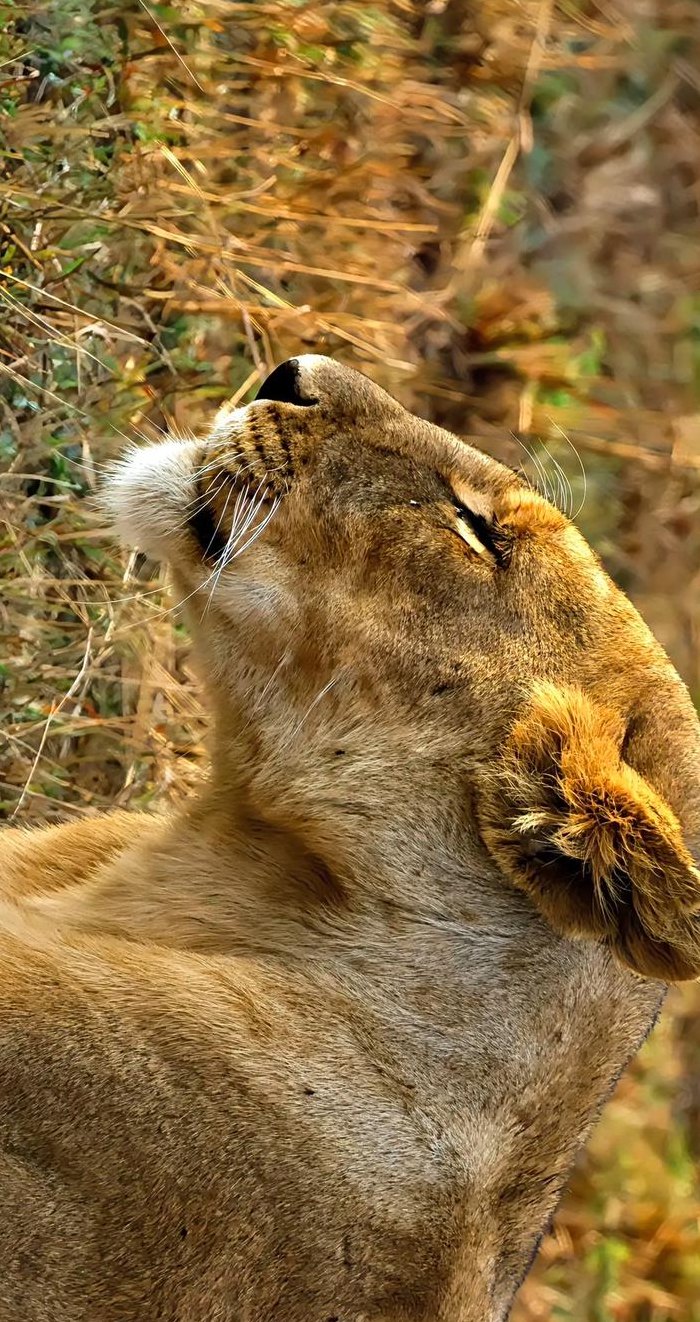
(489, 205)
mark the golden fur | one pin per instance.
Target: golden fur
(322, 1046)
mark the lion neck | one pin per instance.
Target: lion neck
(505, 1012)
(302, 844)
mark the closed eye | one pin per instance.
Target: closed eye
(482, 534)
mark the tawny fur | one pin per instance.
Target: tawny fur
(322, 1045)
(597, 849)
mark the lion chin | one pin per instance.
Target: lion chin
(322, 1044)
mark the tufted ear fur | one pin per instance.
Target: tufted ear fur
(590, 841)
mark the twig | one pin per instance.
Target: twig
(173, 48)
(521, 141)
(56, 708)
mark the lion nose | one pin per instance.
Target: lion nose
(285, 384)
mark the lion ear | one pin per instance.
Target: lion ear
(590, 841)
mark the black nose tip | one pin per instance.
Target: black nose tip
(284, 384)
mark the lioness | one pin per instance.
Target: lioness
(322, 1046)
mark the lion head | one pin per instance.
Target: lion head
(419, 668)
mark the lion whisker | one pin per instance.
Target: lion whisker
(566, 488)
(233, 541)
(319, 697)
(581, 465)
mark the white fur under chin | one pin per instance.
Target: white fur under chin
(148, 493)
(309, 363)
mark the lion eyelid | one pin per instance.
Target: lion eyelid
(482, 534)
(468, 536)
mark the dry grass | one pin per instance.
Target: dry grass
(493, 208)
